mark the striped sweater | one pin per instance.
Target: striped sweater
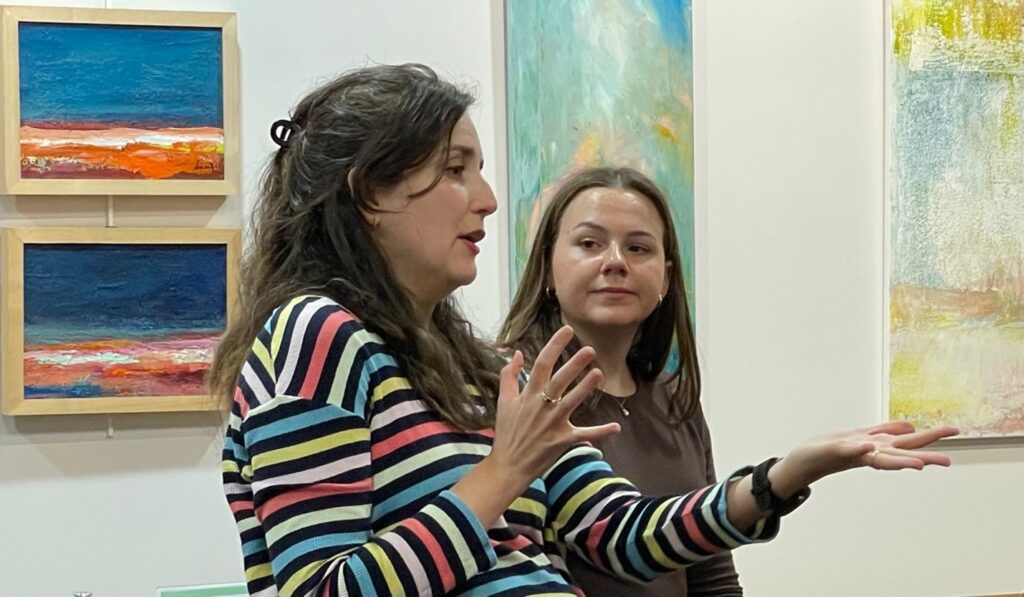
(339, 480)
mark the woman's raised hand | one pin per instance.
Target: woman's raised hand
(532, 428)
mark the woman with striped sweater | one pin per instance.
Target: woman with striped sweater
(375, 446)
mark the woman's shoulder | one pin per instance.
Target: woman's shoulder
(310, 320)
(312, 303)
(310, 347)
(309, 312)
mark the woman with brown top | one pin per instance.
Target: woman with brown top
(606, 261)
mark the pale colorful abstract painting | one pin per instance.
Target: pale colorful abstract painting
(956, 227)
(598, 83)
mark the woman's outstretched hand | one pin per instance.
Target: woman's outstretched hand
(889, 446)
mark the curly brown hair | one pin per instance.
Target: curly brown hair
(368, 128)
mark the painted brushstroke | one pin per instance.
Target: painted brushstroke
(598, 83)
(957, 219)
(120, 102)
(121, 320)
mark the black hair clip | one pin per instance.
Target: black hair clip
(282, 130)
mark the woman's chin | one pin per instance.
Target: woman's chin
(463, 277)
(616, 317)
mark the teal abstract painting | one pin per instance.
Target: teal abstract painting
(598, 83)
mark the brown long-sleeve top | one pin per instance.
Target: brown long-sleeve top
(660, 459)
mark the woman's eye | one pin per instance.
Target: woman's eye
(588, 243)
(639, 249)
(455, 170)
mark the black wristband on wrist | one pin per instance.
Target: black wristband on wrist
(766, 499)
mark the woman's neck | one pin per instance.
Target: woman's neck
(424, 315)
(422, 308)
(612, 348)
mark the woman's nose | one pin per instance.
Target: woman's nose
(614, 258)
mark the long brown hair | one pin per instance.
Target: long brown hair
(534, 314)
(309, 234)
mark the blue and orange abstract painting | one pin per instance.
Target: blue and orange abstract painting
(956, 251)
(104, 101)
(598, 83)
(114, 320)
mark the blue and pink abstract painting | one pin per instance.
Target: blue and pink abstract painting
(120, 102)
(598, 83)
(112, 320)
(956, 285)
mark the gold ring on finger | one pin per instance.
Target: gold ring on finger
(549, 399)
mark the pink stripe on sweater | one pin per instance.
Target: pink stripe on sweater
(444, 570)
(324, 340)
(310, 492)
(240, 505)
(517, 543)
(396, 441)
(243, 406)
(594, 534)
(691, 524)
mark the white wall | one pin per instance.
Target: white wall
(790, 142)
(789, 164)
(121, 516)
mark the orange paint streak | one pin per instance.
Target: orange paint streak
(197, 153)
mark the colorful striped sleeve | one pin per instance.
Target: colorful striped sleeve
(237, 474)
(604, 519)
(304, 402)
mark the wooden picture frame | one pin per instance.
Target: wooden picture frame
(118, 102)
(113, 320)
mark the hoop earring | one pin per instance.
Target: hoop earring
(659, 299)
(549, 292)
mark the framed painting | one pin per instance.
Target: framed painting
(113, 320)
(598, 84)
(119, 102)
(954, 269)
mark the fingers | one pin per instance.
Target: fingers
(853, 450)
(509, 385)
(892, 427)
(893, 462)
(926, 458)
(544, 364)
(570, 371)
(543, 378)
(590, 382)
(590, 434)
(920, 439)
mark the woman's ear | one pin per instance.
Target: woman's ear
(350, 180)
(668, 279)
(372, 218)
